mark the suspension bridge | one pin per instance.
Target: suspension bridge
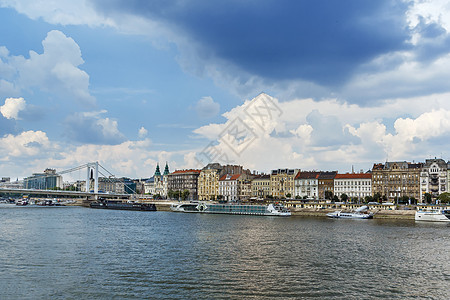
(39, 184)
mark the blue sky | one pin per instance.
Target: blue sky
(133, 83)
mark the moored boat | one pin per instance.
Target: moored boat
(433, 215)
(123, 206)
(233, 209)
(360, 213)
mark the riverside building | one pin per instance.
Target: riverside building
(44, 181)
(355, 185)
(433, 178)
(326, 184)
(182, 180)
(260, 186)
(307, 185)
(396, 179)
(282, 183)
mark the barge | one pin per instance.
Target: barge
(123, 205)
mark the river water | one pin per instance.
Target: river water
(82, 253)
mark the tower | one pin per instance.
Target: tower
(166, 169)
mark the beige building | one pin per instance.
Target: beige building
(208, 182)
(260, 186)
(396, 179)
(282, 183)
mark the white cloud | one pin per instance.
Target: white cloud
(25, 145)
(142, 132)
(56, 70)
(12, 107)
(64, 12)
(207, 108)
(303, 143)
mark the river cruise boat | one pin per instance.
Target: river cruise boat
(233, 209)
(433, 215)
(360, 213)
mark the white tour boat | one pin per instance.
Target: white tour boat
(357, 214)
(433, 215)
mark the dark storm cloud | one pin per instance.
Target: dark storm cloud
(319, 40)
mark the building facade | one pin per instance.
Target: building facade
(357, 185)
(396, 179)
(182, 180)
(208, 182)
(44, 181)
(433, 178)
(282, 183)
(229, 188)
(260, 186)
(307, 185)
(326, 184)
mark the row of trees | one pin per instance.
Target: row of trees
(183, 195)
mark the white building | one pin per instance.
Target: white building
(433, 178)
(353, 185)
(307, 185)
(229, 187)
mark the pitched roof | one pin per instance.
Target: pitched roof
(186, 171)
(354, 176)
(327, 175)
(307, 175)
(229, 177)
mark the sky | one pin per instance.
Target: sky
(309, 84)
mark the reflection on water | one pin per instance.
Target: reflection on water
(67, 252)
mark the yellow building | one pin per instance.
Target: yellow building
(282, 183)
(208, 182)
(261, 186)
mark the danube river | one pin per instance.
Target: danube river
(82, 253)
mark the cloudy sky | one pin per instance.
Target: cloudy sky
(315, 85)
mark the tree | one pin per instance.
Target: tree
(185, 195)
(288, 195)
(403, 199)
(377, 197)
(344, 197)
(335, 198)
(328, 195)
(298, 197)
(427, 198)
(444, 198)
(368, 199)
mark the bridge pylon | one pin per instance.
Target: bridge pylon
(92, 173)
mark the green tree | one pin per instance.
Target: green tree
(344, 197)
(328, 195)
(444, 198)
(368, 199)
(185, 195)
(403, 199)
(288, 195)
(427, 197)
(335, 198)
(377, 197)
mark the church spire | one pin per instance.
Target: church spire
(157, 172)
(166, 169)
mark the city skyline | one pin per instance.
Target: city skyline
(134, 83)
